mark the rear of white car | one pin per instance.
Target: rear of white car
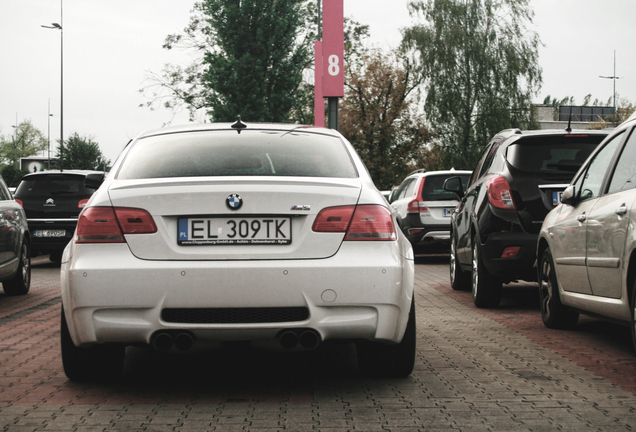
(273, 235)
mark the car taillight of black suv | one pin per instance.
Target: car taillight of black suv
(52, 201)
(518, 179)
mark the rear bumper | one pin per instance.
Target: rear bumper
(420, 234)
(522, 266)
(361, 292)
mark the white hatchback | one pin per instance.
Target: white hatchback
(269, 234)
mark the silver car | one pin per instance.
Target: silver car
(586, 249)
(272, 235)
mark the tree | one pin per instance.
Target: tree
(83, 153)
(27, 141)
(378, 115)
(248, 60)
(481, 65)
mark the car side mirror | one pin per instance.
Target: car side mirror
(94, 181)
(569, 195)
(454, 184)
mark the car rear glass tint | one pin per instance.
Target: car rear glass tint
(433, 188)
(227, 153)
(52, 185)
(546, 154)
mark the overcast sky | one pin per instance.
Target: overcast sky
(109, 45)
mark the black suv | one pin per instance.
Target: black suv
(519, 178)
(53, 201)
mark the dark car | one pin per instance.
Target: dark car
(15, 250)
(519, 178)
(53, 201)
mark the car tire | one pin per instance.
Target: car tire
(96, 363)
(21, 282)
(554, 314)
(632, 305)
(485, 287)
(376, 359)
(460, 281)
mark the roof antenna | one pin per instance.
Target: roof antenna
(239, 124)
(569, 129)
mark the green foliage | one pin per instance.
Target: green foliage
(27, 141)
(12, 175)
(378, 116)
(248, 60)
(481, 65)
(83, 153)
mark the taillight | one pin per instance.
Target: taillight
(416, 206)
(108, 224)
(333, 219)
(82, 203)
(499, 193)
(511, 252)
(363, 222)
(371, 222)
(19, 202)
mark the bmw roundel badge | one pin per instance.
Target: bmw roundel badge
(234, 201)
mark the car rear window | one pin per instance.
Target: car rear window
(227, 153)
(51, 185)
(433, 188)
(561, 153)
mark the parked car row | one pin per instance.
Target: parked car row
(555, 207)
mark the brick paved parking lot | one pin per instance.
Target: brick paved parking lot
(476, 370)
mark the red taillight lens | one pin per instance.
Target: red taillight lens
(416, 206)
(511, 252)
(499, 193)
(19, 202)
(363, 222)
(82, 203)
(135, 221)
(98, 225)
(108, 225)
(333, 219)
(371, 222)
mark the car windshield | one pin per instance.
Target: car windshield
(433, 188)
(227, 153)
(52, 184)
(560, 153)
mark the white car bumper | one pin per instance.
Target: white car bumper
(362, 292)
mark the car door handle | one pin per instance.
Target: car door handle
(581, 218)
(621, 210)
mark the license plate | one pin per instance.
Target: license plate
(556, 198)
(448, 211)
(203, 231)
(49, 233)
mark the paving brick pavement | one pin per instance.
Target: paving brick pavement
(474, 372)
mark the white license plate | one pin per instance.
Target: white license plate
(49, 233)
(196, 231)
(556, 198)
(448, 211)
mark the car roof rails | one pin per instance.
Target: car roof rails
(421, 170)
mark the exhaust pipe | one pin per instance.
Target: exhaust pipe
(309, 339)
(288, 339)
(162, 342)
(183, 341)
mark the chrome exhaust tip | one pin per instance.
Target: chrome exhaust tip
(309, 339)
(162, 342)
(288, 339)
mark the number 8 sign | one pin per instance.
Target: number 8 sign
(333, 48)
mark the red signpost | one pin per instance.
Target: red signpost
(329, 66)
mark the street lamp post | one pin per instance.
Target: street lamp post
(48, 136)
(59, 27)
(614, 78)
